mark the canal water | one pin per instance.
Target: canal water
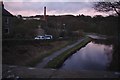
(96, 55)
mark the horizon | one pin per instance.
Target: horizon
(66, 15)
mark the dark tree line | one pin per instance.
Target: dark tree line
(98, 24)
(67, 25)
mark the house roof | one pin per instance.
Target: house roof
(5, 12)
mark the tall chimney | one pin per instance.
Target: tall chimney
(45, 13)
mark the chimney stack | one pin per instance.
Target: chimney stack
(1, 4)
(45, 13)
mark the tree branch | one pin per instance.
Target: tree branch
(114, 9)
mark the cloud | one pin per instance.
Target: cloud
(53, 8)
(91, 12)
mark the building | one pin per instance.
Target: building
(31, 18)
(7, 22)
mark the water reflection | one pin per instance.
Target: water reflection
(91, 57)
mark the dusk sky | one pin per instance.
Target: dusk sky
(53, 8)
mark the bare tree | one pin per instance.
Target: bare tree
(108, 6)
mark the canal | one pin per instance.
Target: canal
(96, 55)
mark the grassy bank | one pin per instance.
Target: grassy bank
(39, 58)
(59, 60)
(30, 52)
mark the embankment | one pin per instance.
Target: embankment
(59, 60)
